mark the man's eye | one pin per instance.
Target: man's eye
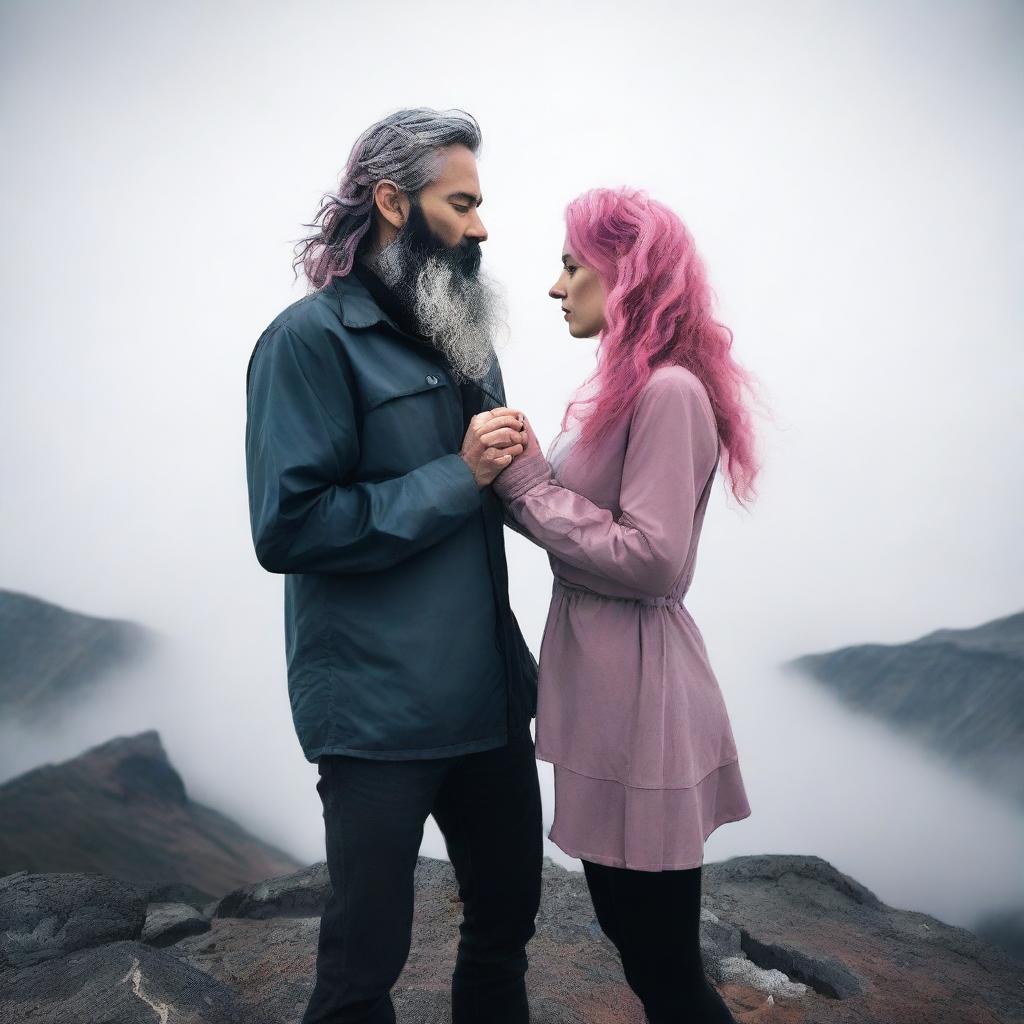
(461, 209)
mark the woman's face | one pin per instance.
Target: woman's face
(582, 296)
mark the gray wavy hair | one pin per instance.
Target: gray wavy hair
(404, 147)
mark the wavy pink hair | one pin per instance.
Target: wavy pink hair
(657, 312)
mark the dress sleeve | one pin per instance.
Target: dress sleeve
(512, 524)
(671, 450)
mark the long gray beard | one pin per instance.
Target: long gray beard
(465, 317)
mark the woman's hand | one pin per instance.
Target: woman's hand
(531, 446)
(521, 437)
(525, 468)
(494, 438)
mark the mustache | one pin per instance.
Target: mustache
(421, 243)
(467, 255)
(463, 258)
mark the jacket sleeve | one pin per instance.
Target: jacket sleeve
(498, 384)
(301, 448)
(671, 450)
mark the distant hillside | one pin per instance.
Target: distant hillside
(960, 691)
(121, 809)
(49, 656)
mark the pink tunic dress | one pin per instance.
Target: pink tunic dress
(628, 708)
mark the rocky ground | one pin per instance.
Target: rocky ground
(785, 938)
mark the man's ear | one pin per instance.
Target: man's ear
(391, 202)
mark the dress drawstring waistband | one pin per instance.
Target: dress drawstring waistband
(657, 602)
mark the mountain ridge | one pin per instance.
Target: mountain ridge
(121, 808)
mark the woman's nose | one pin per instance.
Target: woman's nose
(555, 292)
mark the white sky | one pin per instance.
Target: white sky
(851, 174)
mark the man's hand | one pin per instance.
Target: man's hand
(493, 440)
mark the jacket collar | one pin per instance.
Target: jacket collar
(359, 309)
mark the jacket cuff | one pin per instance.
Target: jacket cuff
(465, 494)
(522, 475)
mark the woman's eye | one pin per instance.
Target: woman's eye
(570, 270)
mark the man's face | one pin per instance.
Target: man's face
(422, 242)
(433, 265)
(450, 204)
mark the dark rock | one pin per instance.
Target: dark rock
(270, 963)
(301, 894)
(566, 912)
(794, 871)
(49, 915)
(802, 920)
(787, 939)
(824, 974)
(120, 983)
(177, 892)
(718, 939)
(864, 962)
(575, 975)
(166, 923)
(431, 1006)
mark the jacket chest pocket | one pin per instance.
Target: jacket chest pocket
(410, 421)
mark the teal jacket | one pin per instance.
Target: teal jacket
(399, 638)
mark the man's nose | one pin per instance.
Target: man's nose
(476, 229)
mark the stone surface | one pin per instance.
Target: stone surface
(177, 892)
(860, 959)
(48, 915)
(119, 983)
(301, 894)
(166, 923)
(787, 940)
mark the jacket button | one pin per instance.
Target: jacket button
(431, 379)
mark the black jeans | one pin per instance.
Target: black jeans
(653, 920)
(488, 808)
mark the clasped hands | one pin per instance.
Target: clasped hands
(494, 439)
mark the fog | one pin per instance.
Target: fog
(851, 175)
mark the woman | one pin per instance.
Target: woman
(629, 710)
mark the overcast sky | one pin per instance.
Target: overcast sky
(850, 172)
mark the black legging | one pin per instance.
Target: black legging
(653, 919)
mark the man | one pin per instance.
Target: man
(376, 423)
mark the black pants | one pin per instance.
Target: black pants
(653, 920)
(488, 808)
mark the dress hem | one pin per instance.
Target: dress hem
(629, 785)
(618, 862)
